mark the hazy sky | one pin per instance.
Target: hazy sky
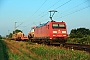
(28, 13)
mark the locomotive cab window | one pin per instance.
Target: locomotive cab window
(55, 25)
(58, 25)
(62, 25)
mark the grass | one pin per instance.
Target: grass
(20, 51)
(60, 54)
(3, 51)
(84, 40)
(27, 47)
(21, 45)
(41, 52)
(13, 56)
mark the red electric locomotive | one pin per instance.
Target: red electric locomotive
(50, 32)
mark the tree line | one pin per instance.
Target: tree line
(79, 33)
(74, 33)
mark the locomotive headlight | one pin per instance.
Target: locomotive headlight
(54, 35)
(54, 31)
(64, 35)
(63, 31)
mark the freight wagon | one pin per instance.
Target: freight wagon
(19, 36)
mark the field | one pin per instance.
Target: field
(19, 50)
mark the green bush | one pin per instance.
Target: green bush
(84, 40)
(79, 33)
(0, 37)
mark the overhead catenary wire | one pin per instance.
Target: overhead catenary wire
(37, 10)
(46, 9)
(51, 6)
(74, 11)
(66, 11)
(19, 24)
(63, 4)
(55, 8)
(40, 7)
(74, 7)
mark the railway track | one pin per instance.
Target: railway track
(72, 46)
(78, 47)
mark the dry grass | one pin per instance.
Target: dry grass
(32, 51)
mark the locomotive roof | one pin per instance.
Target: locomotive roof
(47, 23)
(41, 25)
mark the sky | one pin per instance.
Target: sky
(29, 13)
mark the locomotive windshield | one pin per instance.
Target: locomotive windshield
(58, 25)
